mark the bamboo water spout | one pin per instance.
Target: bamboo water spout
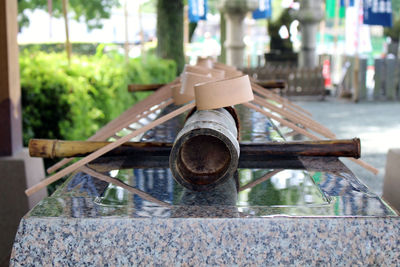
(206, 151)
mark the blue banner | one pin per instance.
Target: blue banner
(346, 3)
(378, 12)
(264, 10)
(197, 10)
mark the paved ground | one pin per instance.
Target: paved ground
(377, 124)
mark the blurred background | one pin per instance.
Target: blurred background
(76, 59)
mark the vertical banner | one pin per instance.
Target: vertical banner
(330, 7)
(357, 35)
(264, 10)
(378, 12)
(197, 10)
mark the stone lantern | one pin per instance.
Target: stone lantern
(235, 12)
(309, 16)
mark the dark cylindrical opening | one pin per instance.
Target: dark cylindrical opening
(203, 159)
(205, 153)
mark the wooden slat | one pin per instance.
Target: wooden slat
(308, 134)
(130, 116)
(144, 87)
(119, 183)
(106, 149)
(308, 123)
(272, 84)
(282, 121)
(283, 101)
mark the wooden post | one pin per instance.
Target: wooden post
(379, 82)
(223, 38)
(186, 40)
(141, 32)
(17, 169)
(68, 47)
(390, 78)
(356, 82)
(126, 43)
(10, 92)
(362, 76)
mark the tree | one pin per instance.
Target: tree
(277, 43)
(170, 31)
(91, 11)
(394, 32)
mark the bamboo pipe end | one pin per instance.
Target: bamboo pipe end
(202, 161)
(43, 148)
(357, 142)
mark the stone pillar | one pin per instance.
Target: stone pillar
(391, 182)
(10, 94)
(309, 16)
(18, 170)
(390, 80)
(235, 12)
(379, 79)
(362, 77)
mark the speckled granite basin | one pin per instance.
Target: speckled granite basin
(311, 211)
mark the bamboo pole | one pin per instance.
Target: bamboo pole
(59, 148)
(106, 149)
(45, 148)
(130, 116)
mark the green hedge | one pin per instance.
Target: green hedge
(77, 48)
(73, 102)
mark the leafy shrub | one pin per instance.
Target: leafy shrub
(77, 48)
(151, 70)
(73, 102)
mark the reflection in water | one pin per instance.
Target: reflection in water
(156, 182)
(85, 184)
(219, 202)
(223, 195)
(285, 188)
(256, 128)
(289, 192)
(339, 183)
